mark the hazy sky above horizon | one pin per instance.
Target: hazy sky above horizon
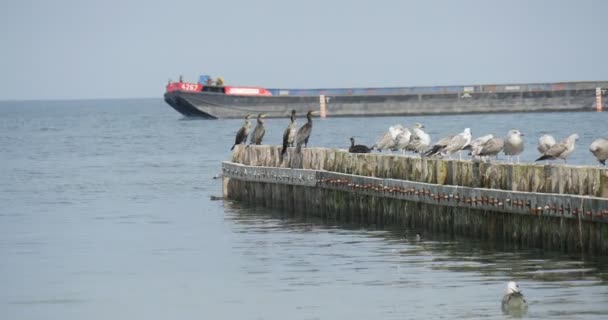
(129, 49)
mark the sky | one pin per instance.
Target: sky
(130, 49)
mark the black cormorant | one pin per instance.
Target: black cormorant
(290, 133)
(304, 133)
(259, 131)
(357, 148)
(241, 135)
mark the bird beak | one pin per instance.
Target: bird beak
(263, 116)
(315, 113)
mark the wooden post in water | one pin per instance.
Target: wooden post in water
(322, 107)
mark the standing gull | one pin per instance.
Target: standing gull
(599, 148)
(403, 139)
(513, 302)
(388, 139)
(476, 145)
(545, 142)
(439, 146)
(241, 135)
(560, 150)
(457, 143)
(419, 140)
(514, 144)
(259, 131)
(491, 148)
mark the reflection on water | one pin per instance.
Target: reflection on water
(426, 276)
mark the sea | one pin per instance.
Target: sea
(107, 211)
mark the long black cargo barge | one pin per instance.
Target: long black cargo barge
(218, 102)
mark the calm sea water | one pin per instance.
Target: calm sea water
(106, 214)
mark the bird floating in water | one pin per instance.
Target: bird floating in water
(358, 148)
(599, 148)
(560, 150)
(514, 144)
(513, 302)
(289, 134)
(241, 135)
(304, 132)
(259, 131)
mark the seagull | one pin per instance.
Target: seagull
(419, 140)
(491, 148)
(403, 139)
(476, 145)
(439, 146)
(560, 150)
(513, 302)
(545, 142)
(388, 139)
(599, 148)
(514, 144)
(457, 143)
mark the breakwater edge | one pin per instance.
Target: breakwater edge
(546, 206)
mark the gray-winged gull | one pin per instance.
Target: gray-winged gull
(388, 139)
(476, 145)
(457, 143)
(439, 146)
(419, 140)
(560, 150)
(599, 148)
(514, 144)
(545, 142)
(491, 148)
(403, 139)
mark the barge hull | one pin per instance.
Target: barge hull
(211, 105)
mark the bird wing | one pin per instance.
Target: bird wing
(556, 150)
(492, 147)
(599, 148)
(456, 143)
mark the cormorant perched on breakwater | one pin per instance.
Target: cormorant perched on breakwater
(304, 133)
(358, 148)
(241, 135)
(259, 131)
(289, 134)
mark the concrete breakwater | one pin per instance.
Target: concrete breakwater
(554, 207)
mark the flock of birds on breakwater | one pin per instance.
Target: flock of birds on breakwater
(416, 140)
